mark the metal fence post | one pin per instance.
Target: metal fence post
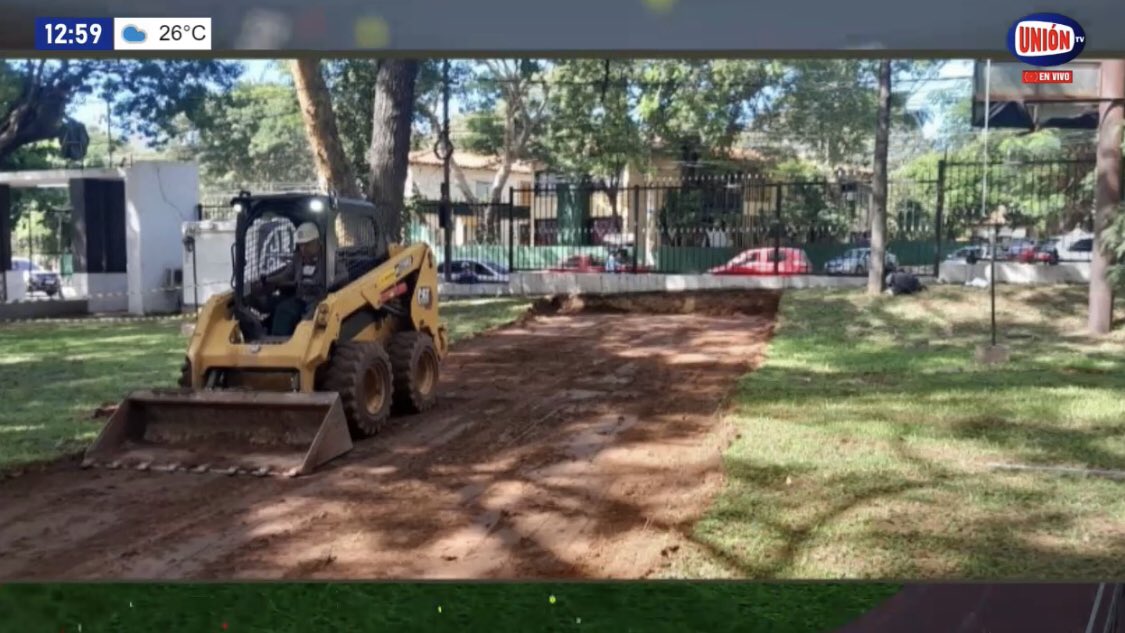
(777, 234)
(938, 213)
(636, 226)
(511, 229)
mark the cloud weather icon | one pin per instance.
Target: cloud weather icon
(132, 34)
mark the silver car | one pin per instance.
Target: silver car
(855, 262)
(475, 271)
(38, 280)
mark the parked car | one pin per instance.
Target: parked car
(1081, 250)
(598, 264)
(969, 254)
(475, 271)
(855, 261)
(37, 279)
(1045, 252)
(767, 261)
(1018, 248)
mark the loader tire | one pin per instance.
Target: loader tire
(361, 373)
(185, 374)
(416, 370)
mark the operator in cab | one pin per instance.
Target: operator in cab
(303, 279)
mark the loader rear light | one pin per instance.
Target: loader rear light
(391, 293)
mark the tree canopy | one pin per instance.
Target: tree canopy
(147, 97)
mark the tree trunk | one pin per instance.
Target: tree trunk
(389, 153)
(332, 166)
(1107, 194)
(876, 265)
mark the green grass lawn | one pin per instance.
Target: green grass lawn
(434, 607)
(53, 376)
(866, 444)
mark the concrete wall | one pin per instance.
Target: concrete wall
(16, 286)
(102, 292)
(213, 241)
(538, 284)
(159, 198)
(53, 309)
(1016, 273)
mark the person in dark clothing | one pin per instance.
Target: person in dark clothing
(304, 276)
(901, 282)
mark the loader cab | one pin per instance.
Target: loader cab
(353, 239)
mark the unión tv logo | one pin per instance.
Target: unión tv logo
(1046, 39)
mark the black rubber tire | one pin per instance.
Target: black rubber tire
(354, 370)
(185, 374)
(416, 369)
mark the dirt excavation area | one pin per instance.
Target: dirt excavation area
(580, 442)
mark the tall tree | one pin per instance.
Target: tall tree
(591, 132)
(147, 96)
(256, 135)
(821, 110)
(702, 106)
(504, 105)
(391, 124)
(1107, 193)
(506, 100)
(876, 270)
(332, 166)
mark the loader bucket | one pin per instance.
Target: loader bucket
(252, 432)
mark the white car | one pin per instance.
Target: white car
(1075, 246)
(1080, 250)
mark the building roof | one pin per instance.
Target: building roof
(467, 160)
(745, 154)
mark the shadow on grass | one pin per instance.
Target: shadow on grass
(867, 434)
(53, 376)
(840, 471)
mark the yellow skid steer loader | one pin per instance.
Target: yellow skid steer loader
(327, 329)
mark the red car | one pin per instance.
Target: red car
(595, 264)
(767, 261)
(1044, 253)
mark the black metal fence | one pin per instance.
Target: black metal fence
(763, 226)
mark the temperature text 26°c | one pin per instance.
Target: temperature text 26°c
(170, 33)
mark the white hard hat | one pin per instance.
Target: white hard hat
(307, 232)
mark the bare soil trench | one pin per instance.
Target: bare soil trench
(580, 442)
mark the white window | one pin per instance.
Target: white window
(483, 189)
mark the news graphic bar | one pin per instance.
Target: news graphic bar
(162, 34)
(123, 34)
(1048, 76)
(74, 34)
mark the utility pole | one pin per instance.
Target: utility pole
(1107, 193)
(109, 129)
(445, 153)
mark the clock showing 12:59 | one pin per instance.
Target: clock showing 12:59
(74, 34)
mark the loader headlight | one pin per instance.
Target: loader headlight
(316, 205)
(238, 208)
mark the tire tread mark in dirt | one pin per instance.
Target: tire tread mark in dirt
(392, 507)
